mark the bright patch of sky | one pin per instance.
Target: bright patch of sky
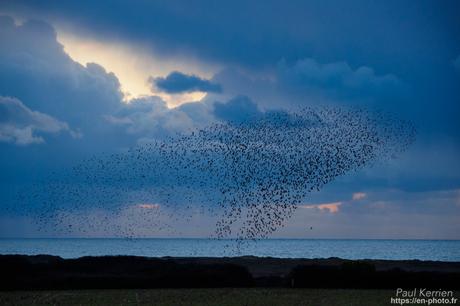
(133, 66)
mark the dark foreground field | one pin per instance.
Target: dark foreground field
(20, 272)
(202, 297)
(128, 280)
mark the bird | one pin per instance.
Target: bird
(251, 175)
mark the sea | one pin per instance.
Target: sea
(439, 250)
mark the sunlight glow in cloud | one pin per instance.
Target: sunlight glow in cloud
(133, 66)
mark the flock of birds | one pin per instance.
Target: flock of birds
(250, 176)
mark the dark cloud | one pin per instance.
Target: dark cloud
(414, 42)
(20, 125)
(237, 110)
(178, 82)
(55, 94)
(277, 54)
(150, 118)
(308, 82)
(337, 78)
(256, 34)
(456, 62)
(36, 70)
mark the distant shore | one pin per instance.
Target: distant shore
(354, 249)
(23, 272)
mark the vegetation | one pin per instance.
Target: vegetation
(202, 297)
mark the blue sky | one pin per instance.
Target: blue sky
(82, 78)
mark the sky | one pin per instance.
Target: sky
(83, 78)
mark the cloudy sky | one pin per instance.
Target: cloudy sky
(81, 78)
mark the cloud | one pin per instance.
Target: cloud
(36, 70)
(57, 96)
(149, 117)
(320, 61)
(406, 216)
(434, 202)
(244, 33)
(358, 196)
(456, 62)
(178, 82)
(20, 125)
(330, 207)
(237, 109)
(148, 206)
(307, 82)
(336, 78)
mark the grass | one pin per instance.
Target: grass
(202, 297)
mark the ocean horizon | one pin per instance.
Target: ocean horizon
(387, 249)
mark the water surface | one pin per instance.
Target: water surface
(444, 250)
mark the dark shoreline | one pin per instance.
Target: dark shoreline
(23, 272)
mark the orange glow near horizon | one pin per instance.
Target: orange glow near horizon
(330, 207)
(148, 206)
